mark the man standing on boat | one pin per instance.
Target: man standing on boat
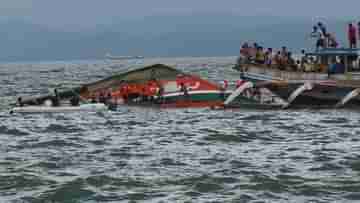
(322, 28)
(318, 35)
(352, 36)
(358, 29)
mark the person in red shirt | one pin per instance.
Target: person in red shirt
(352, 36)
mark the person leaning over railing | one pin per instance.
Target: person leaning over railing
(291, 62)
(260, 56)
(309, 66)
(245, 53)
(277, 60)
(269, 57)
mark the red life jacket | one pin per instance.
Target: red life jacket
(226, 84)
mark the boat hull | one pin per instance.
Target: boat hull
(326, 90)
(60, 109)
(203, 99)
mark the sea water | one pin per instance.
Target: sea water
(177, 155)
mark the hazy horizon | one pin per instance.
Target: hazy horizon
(85, 13)
(50, 29)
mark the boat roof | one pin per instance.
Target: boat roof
(335, 52)
(156, 71)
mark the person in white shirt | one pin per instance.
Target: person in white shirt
(318, 35)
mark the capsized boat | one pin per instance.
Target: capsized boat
(160, 86)
(316, 88)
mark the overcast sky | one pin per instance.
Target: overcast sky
(90, 12)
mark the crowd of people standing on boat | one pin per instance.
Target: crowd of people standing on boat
(325, 39)
(283, 59)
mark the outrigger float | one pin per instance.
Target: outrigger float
(309, 89)
(164, 87)
(60, 109)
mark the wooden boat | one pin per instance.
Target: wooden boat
(157, 86)
(320, 89)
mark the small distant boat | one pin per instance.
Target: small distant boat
(60, 109)
(111, 57)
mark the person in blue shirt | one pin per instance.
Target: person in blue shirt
(332, 67)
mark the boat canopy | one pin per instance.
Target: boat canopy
(335, 52)
(350, 57)
(157, 71)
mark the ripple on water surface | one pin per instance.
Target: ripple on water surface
(176, 155)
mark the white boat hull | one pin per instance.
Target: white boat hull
(60, 109)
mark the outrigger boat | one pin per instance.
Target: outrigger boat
(164, 87)
(320, 89)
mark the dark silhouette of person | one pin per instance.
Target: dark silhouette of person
(56, 98)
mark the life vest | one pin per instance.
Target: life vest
(124, 90)
(154, 89)
(260, 56)
(226, 84)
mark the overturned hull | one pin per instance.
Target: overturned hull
(156, 86)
